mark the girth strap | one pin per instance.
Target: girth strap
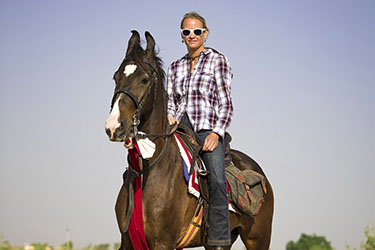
(193, 227)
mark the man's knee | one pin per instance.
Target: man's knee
(218, 182)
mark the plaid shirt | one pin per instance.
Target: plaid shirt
(204, 94)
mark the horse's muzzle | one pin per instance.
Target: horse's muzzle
(117, 134)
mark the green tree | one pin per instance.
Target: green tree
(116, 246)
(101, 247)
(5, 245)
(66, 246)
(369, 243)
(309, 242)
(88, 247)
(41, 246)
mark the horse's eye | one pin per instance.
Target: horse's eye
(145, 80)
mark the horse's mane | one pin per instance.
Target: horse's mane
(159, 66)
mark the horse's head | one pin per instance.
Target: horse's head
(137, 81)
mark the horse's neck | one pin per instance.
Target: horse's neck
(157, 120)
(167, 171)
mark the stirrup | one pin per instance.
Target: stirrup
(203, 172)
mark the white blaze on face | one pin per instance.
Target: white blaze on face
(112, 123)
(129, 69)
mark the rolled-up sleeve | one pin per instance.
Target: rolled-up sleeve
(223, 77)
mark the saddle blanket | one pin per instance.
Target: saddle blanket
(193, 185)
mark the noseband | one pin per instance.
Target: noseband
(138, 104)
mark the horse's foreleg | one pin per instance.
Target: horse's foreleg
(122, 204)
(125, 242)
(120, 208)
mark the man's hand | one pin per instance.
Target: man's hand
(171, 120)
(211, 142)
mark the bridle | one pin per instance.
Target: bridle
(138, 104)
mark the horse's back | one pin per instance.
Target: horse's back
(245, 162)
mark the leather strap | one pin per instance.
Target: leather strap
(126, 92)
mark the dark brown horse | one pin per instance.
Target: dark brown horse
(139, 102)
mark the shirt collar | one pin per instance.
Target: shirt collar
(204, 52)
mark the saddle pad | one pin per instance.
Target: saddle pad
(193, 186)
(247, 189)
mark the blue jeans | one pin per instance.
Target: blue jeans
(218, 214)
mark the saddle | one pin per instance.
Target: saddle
(246, 188)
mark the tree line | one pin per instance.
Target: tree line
(316, 242)
(305, 242)
(5, 245)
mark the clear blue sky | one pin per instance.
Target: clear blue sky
(303, 90)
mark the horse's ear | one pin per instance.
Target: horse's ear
(150, 45)
(132, 41)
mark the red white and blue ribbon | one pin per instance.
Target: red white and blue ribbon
(193, 186)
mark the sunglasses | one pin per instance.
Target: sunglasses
(197, 32)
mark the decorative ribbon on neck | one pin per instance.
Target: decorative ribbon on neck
(136, 172)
